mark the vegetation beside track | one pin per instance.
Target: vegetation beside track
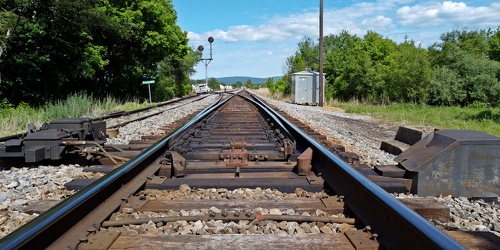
(15, 119)
(473, 117)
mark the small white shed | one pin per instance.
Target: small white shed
(305, 87)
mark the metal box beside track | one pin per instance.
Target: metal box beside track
(454, 162)
(305, 87)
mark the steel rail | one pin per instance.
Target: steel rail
(150, 115)
(179, 132)
(45, 230)
(272, 116)
(397, 226)
(161, 104)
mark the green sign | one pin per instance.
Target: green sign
(148, 82)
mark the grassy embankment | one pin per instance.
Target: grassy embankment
(15, 120)
(472, 117)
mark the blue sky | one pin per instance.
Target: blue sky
(254, 38)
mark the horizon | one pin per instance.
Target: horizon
(243, 77)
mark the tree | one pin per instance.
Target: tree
(494, 45)
(238, 84)
(101, 47)
(466, 70)
(309, 54)
(410, 74)
(446, 87)
(345, 66)
(214, 84)
(248, 84)
(474, 42)
(378, 49)
(270, 85)
(173, 77)
(467, 79)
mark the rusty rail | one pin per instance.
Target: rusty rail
(398, 226)
(56, 228)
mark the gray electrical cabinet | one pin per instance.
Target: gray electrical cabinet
(305, 87)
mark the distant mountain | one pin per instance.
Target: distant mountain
(243, 79)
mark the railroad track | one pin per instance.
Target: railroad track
(73, 135)
(120, 118)
(241, 144)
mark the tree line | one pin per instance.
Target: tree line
(461, 69)
(49, 49)
(214, 84)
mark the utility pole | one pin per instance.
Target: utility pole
(321, 57)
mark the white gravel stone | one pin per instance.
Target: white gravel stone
(22, 186)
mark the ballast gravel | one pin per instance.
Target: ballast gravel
(153, 125)
(198, 227)
(20, 187)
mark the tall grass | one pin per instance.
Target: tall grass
(473, 117)
(15, 119)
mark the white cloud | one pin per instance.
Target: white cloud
(356, 18)
(262, 49)
(454, 13)
(377, 22)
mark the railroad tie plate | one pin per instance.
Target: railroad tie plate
(362, 240)
(100, 240)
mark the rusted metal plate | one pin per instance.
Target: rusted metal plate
(315, 180)
(333, 202)
(454, 162)
(100, 240)
(134, 202)
(156, 179)
(362, 240)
